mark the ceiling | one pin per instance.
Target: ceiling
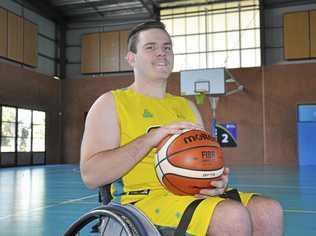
(123, 11)
(114, 11)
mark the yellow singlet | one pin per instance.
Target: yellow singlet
(137, 113)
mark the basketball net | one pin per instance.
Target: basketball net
(199, 98)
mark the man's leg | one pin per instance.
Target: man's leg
(230, 218)
(266, 215)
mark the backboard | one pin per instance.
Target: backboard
(208, 81)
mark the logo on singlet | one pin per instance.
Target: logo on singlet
(147, 114)
(180, 116)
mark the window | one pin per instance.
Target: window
(8, 132)
(215, 35)
(38, 128)
(22, 130)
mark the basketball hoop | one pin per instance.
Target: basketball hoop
(199, 97)
(211, 83)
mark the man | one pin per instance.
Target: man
(124, 126)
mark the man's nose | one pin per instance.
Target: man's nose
(161, 51)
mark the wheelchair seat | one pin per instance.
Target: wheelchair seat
(114, 219)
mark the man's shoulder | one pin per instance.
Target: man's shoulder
(111, 93)
(119, 91)
(103, 99)
(176, 97)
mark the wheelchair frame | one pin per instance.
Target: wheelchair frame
(131, 220)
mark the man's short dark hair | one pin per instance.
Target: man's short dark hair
(133, 34)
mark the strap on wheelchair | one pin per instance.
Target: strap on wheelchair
(186, 217)
(188, 212)
(232, 194)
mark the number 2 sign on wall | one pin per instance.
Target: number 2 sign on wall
(227, 134)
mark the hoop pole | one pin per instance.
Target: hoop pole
(213, 102)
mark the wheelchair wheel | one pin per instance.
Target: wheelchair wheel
(114, 220)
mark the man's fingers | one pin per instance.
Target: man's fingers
(226, 171)
(219, 184)
(204, 193)
(183, 125)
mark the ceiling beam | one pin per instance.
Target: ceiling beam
(181, 4)
(150, 10)
(286, 3)
(47, 10)
(74, 5)
(122, 14)
(109, 9)
(108, 21)
(94, 7)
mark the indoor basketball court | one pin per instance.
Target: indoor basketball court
(249, 67)
(43, 203)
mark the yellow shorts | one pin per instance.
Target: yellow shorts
(165, 210)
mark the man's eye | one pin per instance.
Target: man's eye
(149, 47)
(168, 48)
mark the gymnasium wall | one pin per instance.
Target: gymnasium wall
(28, 89)
(285, 86)
(78, 96)
(265, 113)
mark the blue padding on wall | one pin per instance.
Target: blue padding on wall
(306, 113)
(306, 132)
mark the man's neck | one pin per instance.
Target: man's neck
(152, 88)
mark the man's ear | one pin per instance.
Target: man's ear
(130, 57)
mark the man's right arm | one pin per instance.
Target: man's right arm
(102, 159)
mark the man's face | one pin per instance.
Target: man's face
(154, 57)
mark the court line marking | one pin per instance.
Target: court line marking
(48, 206)
(299, 211)
(94, 195)
(272, 186)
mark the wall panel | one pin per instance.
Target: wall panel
(15, 37)
(109, 51)
(30, 43)
(90, 53)
(312, 20)
(123, 51)
(3, 33)
(296, 35)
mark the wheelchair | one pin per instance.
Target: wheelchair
(126, 220)
(114, 219)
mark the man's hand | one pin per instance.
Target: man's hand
(154, 136)
(219, 185)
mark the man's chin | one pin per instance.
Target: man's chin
(164, 75)
(164, 71)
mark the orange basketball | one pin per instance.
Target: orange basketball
(188, 162)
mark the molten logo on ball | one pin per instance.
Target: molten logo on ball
(187, 162)
(197, 137)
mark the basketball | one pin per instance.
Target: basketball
(188, 162)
